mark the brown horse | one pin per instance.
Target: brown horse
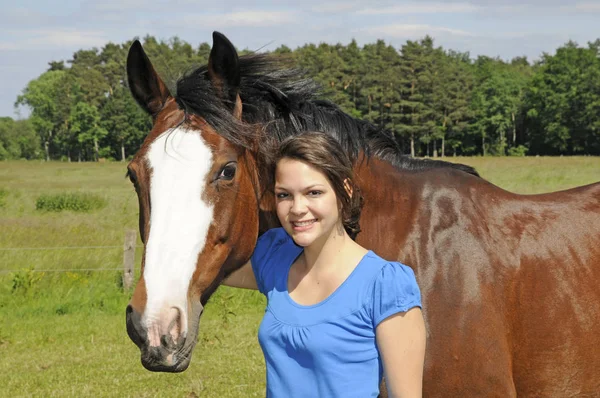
(510, 283)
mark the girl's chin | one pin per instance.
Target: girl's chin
(302, 235)
(302, 238)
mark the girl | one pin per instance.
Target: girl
(338, 316)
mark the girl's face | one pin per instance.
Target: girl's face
(306, 203)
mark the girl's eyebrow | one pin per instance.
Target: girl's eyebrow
(303, 189)
(314, 186)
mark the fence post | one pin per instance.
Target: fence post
(129, 257)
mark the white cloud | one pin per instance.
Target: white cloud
(336, 7)
(493, 8)
(53, 38)
(423, 8)
(242, 19)
(120, 5)
(412, 31)
(587, 7)
(542, 10)
(5, 46)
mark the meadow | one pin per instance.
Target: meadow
(62, 307)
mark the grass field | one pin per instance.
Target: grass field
(63, 333)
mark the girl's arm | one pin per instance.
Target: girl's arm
(242, 278)
(401, 342)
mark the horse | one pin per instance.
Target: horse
(510, 283)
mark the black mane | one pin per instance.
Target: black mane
(286, 103)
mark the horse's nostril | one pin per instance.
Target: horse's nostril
(174, 324)
(135, 330)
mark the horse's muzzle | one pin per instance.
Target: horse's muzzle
(168, 355)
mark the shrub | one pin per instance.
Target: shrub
(517, 151)
(83, 202)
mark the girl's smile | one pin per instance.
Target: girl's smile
(302, 226)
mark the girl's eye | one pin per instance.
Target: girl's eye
(315, 193)
(281, 195)
(228, 172)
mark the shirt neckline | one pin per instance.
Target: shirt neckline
(326, 299)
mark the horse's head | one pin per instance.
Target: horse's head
(197, 204)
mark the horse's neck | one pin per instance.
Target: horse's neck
(266, 221)
(389, 206)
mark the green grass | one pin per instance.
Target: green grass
(66, 337)
(530, 175)
(3, 195)
(63, 333)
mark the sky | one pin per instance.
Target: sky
(35, 32)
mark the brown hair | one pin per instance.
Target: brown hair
(325, 154)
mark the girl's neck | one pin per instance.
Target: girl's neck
(329, 250)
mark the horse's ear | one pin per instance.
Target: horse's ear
(224, 72)
(146, 86)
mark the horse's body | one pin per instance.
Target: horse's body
(509, 282)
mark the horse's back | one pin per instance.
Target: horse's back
(509, 282)
(555, 300)
(533, 274)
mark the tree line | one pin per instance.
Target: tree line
(437, 102)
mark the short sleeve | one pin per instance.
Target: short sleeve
(395, 290)
(264, 260)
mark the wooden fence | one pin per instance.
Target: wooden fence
(129, 246)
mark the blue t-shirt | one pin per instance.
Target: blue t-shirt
(327, 349)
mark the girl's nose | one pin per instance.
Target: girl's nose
(299, 206)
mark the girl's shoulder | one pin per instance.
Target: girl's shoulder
(392, 289)
(381, 269)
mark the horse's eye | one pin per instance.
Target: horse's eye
(132, 177)
(228, 172)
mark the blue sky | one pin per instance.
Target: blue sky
(34, 32)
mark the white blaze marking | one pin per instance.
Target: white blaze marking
(179, 220)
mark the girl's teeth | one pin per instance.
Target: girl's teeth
(302, 224)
